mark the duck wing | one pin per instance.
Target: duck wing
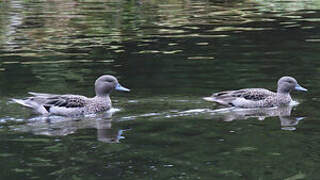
(229, 97)
(252, 94)
(41, 102)
(42, 94)
(67, 101)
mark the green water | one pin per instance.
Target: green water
(170, 54)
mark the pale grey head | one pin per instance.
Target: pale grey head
(286, 84)
(105, 84)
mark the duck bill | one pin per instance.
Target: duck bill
(121, 88)
(300, 88)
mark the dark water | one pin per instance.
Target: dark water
(170, 54)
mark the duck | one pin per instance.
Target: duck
(258, 97)
(73, 105)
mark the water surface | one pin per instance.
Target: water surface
(170, 54)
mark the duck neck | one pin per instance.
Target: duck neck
(102, 96)
(283, 89)
(283, 97)
(102, 91)
(283, 94)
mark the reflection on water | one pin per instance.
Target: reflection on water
(170, 53)
(284, 113)
(64, 29)
(287, 121)
(63, 126)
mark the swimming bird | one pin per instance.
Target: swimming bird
(258, 97)
(71, 105)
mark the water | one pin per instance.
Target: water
(171, 54)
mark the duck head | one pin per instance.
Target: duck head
(105, 84)
(286, 84)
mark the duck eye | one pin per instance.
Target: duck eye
(109, 80)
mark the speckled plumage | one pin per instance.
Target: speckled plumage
(71, 105)
(258, 97)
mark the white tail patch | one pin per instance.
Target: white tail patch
(22, 102)
(211, 99)
(36, 107)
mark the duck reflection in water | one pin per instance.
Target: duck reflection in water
(62, 126)
(287, 121)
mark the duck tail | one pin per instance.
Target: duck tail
(29, 103)
(22, 102)
(211, 99)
